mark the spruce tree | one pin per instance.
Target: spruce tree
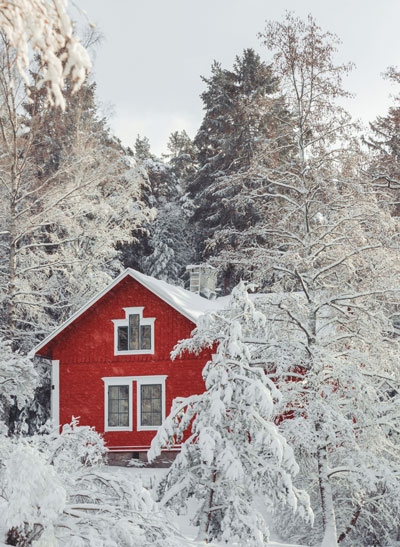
(243, 112)
(234, 459)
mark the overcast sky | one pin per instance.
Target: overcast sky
(154, 52)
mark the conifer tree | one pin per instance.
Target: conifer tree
(234, 451)
(161, 249)
(384, 146)
(243, 112)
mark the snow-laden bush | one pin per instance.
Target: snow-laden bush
(58, 493)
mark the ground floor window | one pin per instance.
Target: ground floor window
(134, 403)
(150, 402)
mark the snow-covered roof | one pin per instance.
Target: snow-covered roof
(189, 304)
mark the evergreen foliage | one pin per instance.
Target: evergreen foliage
(234, 451)
(243, 112)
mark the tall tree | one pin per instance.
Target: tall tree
(242, 112)
(66, 200)
(384, 145)
(163, 249)
(182, 157)
(327, 241)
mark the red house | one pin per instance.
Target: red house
(111, 364)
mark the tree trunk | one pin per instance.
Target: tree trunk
(205, 518)
(328, 511)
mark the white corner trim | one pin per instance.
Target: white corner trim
(55, 393)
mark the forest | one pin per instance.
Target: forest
(287, 197)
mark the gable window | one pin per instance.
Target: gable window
(134, 334)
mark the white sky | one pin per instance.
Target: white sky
(149, 65)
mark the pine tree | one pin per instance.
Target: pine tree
(182, 157)
(384, 145)
(234, 451)
(160, 249)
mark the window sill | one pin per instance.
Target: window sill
(135, 352)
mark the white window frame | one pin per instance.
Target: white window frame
(140, 381)
(146, 380)
(143, 321)
(118, 381)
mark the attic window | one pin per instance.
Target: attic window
(134, 334)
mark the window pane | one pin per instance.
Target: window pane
(112, 420)
(134, 331)
(123, 406)
(113, 405)
(122, 338)
(146, 418)
(151, 404)
(146, 392)
(124, 420)
(123, 392)
(113, 392)
(145, 331)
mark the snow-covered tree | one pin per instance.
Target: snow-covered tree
(384, 148)
(332, 250)
(234, 452)
(67, 200)
(164, 246)
(18, 380)
(44, 27)
(243, 112)
(182, 157)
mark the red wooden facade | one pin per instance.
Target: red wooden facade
(124, 393)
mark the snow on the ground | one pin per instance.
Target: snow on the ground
(150, 477)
